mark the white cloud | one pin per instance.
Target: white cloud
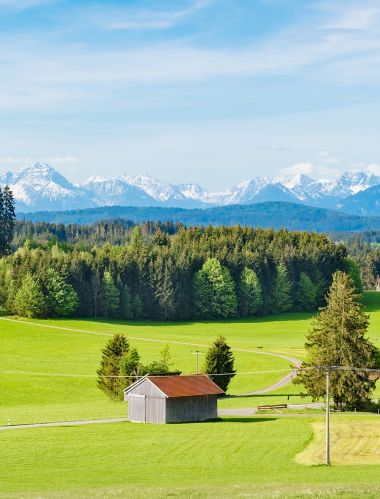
(132, 20)
(360, 18)
(298, 169)
(373, 168)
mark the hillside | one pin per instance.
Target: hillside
(276, 214)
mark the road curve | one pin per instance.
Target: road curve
(282, 382)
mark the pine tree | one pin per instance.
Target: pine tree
(137, 307)
(250, 293)
(281, 299)
(306, 293)
(126, 306)
(351, 268)
(214, 291)
(110, 296)
(62, 299)
(338, 338)
(2, 222)
(29, 300)
(110, 367)
(9, 219)
(219, 359)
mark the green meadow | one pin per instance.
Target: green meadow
(234, 456)
(49, 373)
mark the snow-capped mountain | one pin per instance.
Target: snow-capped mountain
(116, 192)
(40, 187)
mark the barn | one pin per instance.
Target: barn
(172, 399)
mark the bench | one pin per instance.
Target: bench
(272, 407)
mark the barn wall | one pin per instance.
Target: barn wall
(136, 408)
(155, 410)
(187, 409)
(146, 404)
(147, 388)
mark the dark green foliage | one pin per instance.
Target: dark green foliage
(214, 291)
(112, 354)
(110, 296)
(219, 359)
(213, 272)
(61, 298)
(29, 300)
(338, 338)
(282, 292)
(306, 293)
(7, 220)
(249, 292)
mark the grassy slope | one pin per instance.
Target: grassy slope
(234, 452)
(352, 442)
(27, 398)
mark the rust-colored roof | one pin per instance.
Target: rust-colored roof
(186, 386)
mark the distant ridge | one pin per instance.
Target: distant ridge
(39, 187)
(292, 216)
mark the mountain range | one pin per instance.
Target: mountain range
(39, 187)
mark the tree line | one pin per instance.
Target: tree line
(182, 273)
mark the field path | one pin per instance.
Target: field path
(282, 382)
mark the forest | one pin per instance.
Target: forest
(167, 271)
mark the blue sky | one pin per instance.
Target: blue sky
(211, 91)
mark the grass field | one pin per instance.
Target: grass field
(352, 442)
(124, 459)
(51, 353)
(248, 457)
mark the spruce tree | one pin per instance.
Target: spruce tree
(214, 291)
(29, 300)
(9, 218)
(281, 298)
(306, 293)
(250, 293)
(62, 299)
(110, 296)
(110, 367)
(219, 359)
(338, 338)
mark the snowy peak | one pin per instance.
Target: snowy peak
(40, 187)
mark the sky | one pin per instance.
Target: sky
(206, 91)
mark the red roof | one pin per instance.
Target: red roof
(186, 386)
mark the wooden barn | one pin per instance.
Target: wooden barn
(172, 399)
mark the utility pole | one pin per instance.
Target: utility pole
(197, 353)
(328, 416)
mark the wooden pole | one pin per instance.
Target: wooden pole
(328, 416)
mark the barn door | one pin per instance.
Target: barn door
(137, 409)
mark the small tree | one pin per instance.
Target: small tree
(109, 370)
(62, 299)
(219, 359)
(130, 367)
(338, 338)
(250, 293)
(306, 293)
(29, 300)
